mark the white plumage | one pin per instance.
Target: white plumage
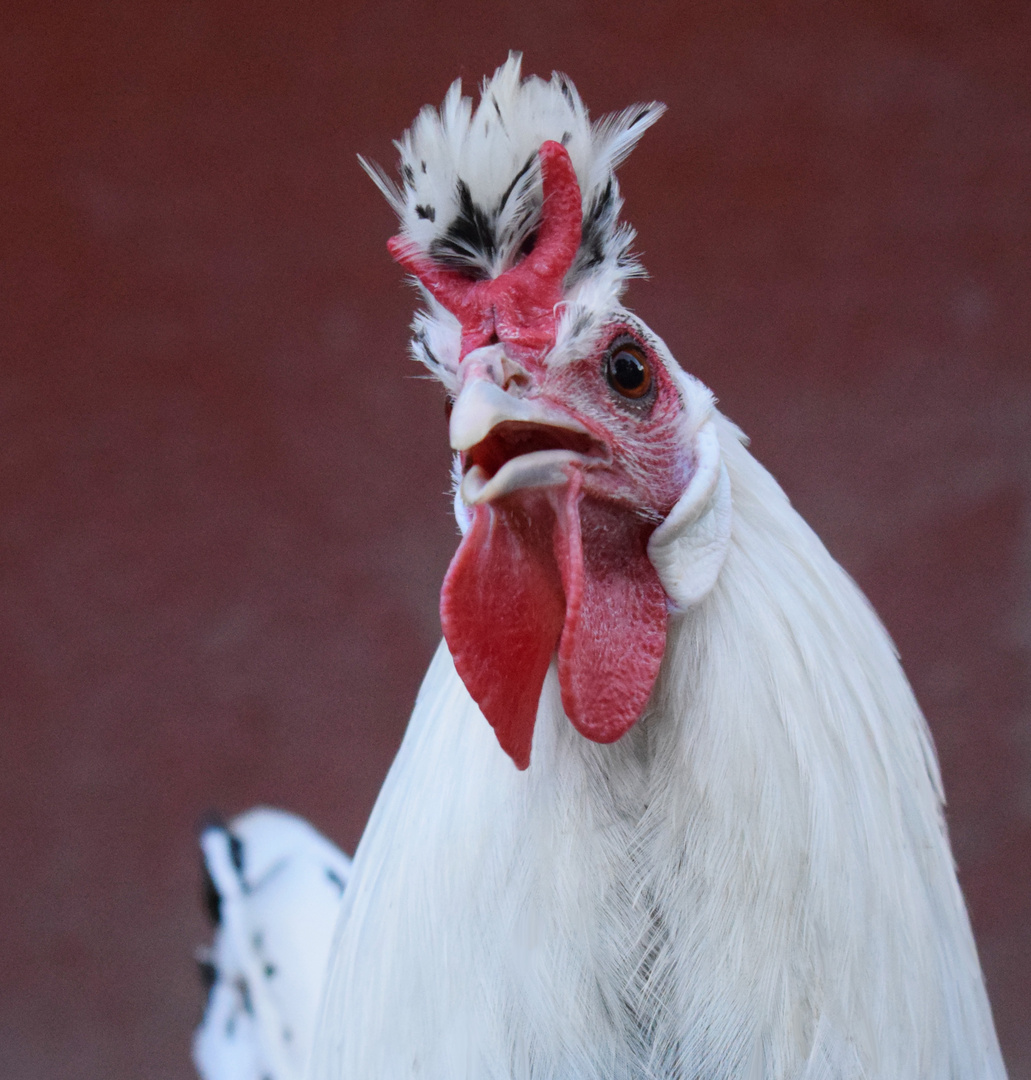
(754, 881)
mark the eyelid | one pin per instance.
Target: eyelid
(625, 337)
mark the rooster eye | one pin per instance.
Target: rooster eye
(629, 372)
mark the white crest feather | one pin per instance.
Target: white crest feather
(486, 158)
(470, 190)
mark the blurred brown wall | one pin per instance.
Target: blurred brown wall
(222, 527)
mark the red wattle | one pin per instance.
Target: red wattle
(614, 633)
(524, 583)
(502, 610)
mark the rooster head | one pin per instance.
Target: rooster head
(589, 485)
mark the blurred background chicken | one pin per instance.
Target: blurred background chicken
(705, 835)
(273, 888)
(222, 516)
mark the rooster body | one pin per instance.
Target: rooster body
(754, 882)
(704, 839)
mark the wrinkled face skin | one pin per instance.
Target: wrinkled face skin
(622, 407)
(568, 465)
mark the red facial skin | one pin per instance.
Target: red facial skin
(649, 468)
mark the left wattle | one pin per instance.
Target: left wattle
(551, 570)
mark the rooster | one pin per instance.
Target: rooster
(666, 807)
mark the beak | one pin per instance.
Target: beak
(510, 438)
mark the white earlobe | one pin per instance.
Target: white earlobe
(688, 549)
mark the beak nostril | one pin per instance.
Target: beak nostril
(517, 380)
(490, 363)
(514, 377)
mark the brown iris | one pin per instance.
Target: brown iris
(629, 372)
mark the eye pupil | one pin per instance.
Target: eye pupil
(627, 370)
(629, 373)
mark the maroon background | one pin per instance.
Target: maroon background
(222, 520)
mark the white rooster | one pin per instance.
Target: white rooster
(666, 808)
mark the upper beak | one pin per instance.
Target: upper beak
(511, 439)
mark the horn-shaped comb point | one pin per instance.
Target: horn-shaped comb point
(561, 219)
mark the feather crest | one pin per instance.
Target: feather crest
(470, 192)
